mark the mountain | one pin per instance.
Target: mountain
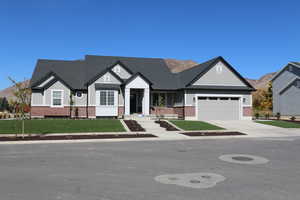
(8, 92)
(262, 82)
(176, 66)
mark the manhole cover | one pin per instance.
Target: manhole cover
(243, 159)
(195, 181)
(192, 180)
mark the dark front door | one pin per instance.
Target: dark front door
(133, 103)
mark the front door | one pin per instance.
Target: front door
(133, 103)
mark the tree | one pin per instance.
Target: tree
(4, 106)
(22, 94)
(263, 99)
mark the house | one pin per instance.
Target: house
(109, 86)
(286, 90)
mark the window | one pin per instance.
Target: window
(213, 98)
(244, 100)
(57, 98)
(79, 94)
(234, 98)
(159, 99)
(224, 98)
(107, 98)
(202, 98)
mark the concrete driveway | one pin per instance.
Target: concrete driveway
(256, 129)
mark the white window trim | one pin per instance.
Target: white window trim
(106, 99)
(62, 98)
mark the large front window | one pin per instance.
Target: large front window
(107, 98)
(57, 98)
(159, 99)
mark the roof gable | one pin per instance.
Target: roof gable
(291, 64)
(219, 74)
(202, 69)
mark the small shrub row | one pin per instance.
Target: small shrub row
(5, 116)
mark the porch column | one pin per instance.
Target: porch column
(127, 101)
(146, 101)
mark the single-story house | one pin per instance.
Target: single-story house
(286, 90)
(110, 86)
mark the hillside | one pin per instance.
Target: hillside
(262, 82)
(8, 92)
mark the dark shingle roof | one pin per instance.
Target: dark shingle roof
(79, 72)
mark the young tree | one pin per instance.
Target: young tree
(22, 94)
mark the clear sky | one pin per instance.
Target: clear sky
(256, 36)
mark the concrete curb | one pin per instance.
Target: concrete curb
(125, 126)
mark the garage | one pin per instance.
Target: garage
(218, 108)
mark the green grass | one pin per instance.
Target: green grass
(282, 124)
(45, 126)
(195, 125)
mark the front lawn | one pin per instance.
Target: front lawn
(195, 125)
(282, 124)
(45, 126)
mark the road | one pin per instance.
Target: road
(127, 170)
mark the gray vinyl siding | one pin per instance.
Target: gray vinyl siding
(289, 102)
(225, 77)
(190, 94)
(124, 74)
(278, 84)
(57, 86)
(37, 98)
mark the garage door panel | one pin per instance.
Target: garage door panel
(220, 109)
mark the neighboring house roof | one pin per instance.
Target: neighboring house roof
(295, 64)
(291, 83)
(79, 73)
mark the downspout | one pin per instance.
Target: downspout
(183, 105)
(87, 102)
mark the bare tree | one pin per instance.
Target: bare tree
(22, 94)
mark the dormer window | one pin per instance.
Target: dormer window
(291, 68)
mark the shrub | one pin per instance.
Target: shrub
(0, 115)
(4, 116)
(267, 115)
(278, 115)
(293, 118)
(256, 115)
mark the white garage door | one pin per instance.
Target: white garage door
(218, 108)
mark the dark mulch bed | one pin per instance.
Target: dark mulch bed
(75, 137)
(166, 125)
(297, 122)
(134, 126)
(212, 133)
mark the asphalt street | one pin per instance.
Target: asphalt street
(127, 170)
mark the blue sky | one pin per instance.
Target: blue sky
(256, 37)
